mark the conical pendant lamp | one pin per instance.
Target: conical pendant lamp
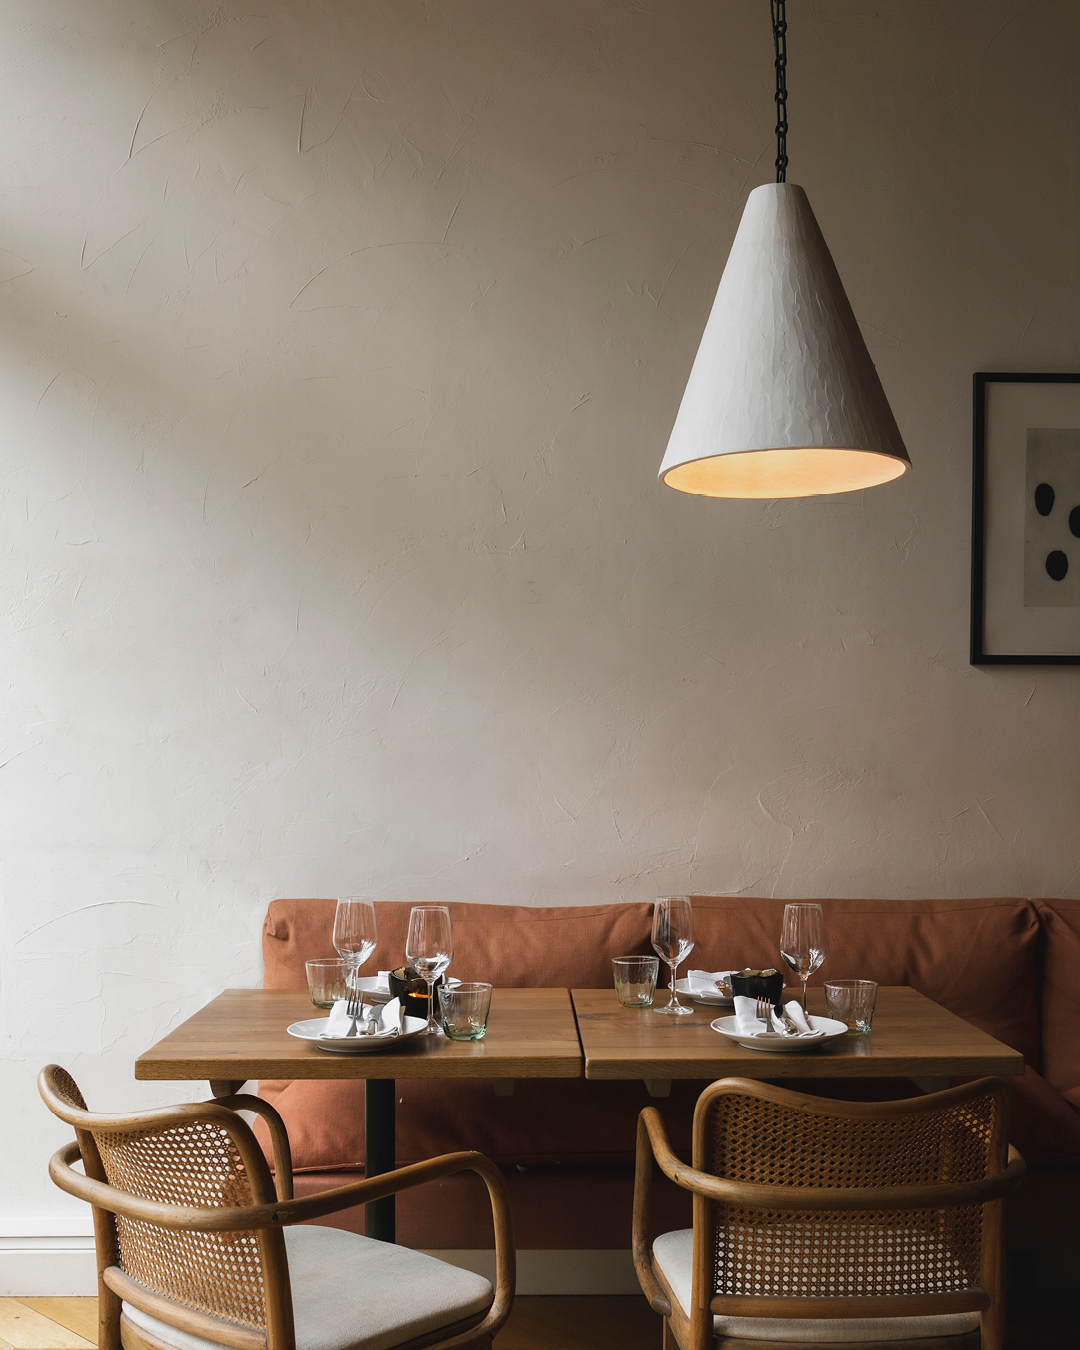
(783, 399)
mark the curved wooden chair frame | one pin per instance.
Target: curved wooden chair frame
(693, 1329)
(273, 1210)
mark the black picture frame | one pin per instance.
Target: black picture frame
(980, 656)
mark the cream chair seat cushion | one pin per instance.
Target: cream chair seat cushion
(673, 1254)
(353, 1293)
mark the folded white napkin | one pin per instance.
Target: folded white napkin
(383, 982)
(747, 1022)
(340, 1025)
(704, 982)
(796, 1014)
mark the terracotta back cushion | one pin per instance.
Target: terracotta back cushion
(1061, 994)
(511, 946)
(974, 957)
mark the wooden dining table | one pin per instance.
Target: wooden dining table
(559, 1033)
(912, 1037)
(243, 1034)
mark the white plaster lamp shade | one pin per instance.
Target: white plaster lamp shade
(783, 399)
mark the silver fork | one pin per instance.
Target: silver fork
(353, 1008)
(364, 1016)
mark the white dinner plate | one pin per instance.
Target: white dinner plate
(827, 1029)
(371, 989)
(312, 1030)
(716, 1000)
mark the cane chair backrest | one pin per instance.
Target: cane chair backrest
(198, 1157)
(935, 1249)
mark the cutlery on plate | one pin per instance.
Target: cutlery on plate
(764, 1009)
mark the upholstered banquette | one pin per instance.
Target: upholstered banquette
(1009, 966)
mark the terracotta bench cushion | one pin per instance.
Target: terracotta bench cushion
(512, 946)
(1060, 960)
(975, 957)
(546, 1120)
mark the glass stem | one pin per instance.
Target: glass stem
(673, 1001)
(429, 980)
(804, 979)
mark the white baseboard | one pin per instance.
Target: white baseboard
(57, 1267)
(609, 1271)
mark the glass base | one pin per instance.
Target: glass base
(433, 1029)
(675, 1008)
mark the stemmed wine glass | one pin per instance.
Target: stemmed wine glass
(672, 940)
(429, 949)
(354, 933)
(802, 943)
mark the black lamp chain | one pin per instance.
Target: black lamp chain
(779, 29)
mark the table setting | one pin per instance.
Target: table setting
(762, 1018)
(371, 1012)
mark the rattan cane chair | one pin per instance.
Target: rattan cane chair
(842, 1224)
(197, 1246)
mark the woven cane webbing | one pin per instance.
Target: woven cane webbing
(68, 1089)
(838, 1253)
(191, 1164)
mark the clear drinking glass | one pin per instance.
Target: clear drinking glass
(464, 1009)
(802, 943)
(673, 940)
(328, 980)
(852, 1002)
(429, 949)
(635, 980)
(354, 932)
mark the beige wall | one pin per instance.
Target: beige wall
(339, 345)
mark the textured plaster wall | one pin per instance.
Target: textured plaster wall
(339, 345)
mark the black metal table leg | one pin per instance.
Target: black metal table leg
(379, 1097)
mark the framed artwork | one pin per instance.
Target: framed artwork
(1025, 526)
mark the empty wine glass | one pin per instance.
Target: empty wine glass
(672, 940)
(429, 949)
(802, 943)
(354, 933)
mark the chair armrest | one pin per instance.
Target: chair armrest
(650, 1135)
(279, 1137)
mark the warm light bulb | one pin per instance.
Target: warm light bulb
(784, 473)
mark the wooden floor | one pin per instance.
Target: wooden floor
(535, 1324)
(1038, 1321)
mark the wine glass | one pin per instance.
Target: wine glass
(672, 940)
(802, 943)
(428, 949)
(354, 933)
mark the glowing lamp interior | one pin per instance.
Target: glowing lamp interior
(784, 473)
